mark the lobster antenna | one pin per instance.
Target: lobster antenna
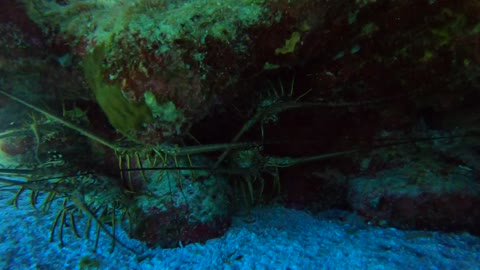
(61, 121)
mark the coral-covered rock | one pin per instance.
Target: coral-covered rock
(165, 64)
(162, 63)
(181, 206)
(420, 197)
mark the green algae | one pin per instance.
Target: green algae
(123, 114)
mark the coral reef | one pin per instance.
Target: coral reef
(189, 110)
